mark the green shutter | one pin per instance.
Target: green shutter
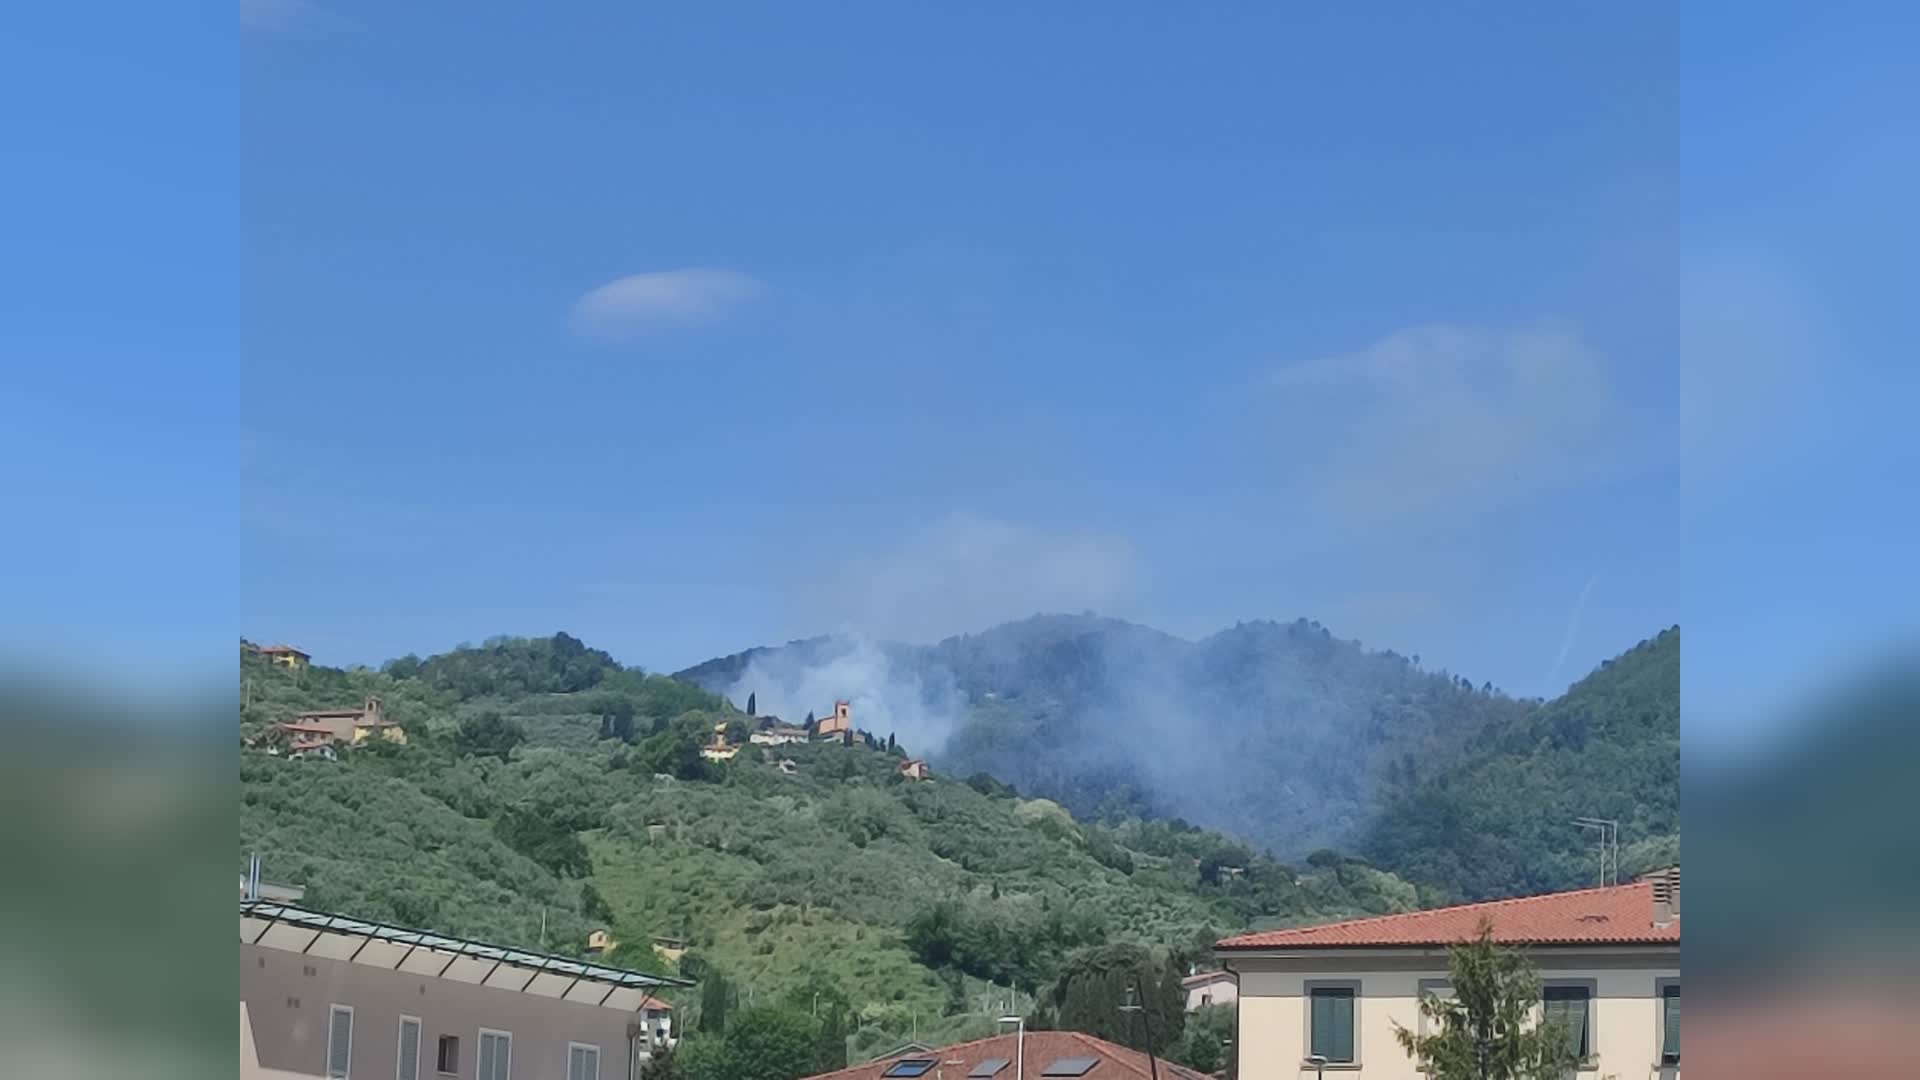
(1332, 1031)
(1670, 1030)
(1568, 1005)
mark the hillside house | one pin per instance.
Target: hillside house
(284, 655)
(839, 722)
(350, 726)
(914, 769)
(1205, 988)
(777, 734)
(1608, 958)
(600, 942)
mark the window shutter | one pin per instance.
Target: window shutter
(1332, 1025)
(339, 1043)
(409, 1067)
(1670, 1033)
(1342, 1027)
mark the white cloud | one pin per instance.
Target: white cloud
(1443, 420)
(625, 306)
(964, 572)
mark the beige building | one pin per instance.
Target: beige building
(1205, 988)
(349, 726)
(1609, 962)
(345, 999)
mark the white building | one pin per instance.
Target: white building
(1608, 958)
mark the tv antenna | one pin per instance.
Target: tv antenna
(1609, 846)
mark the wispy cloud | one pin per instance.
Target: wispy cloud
(630, 305)
(282, 16)
(1439, 420)
(966, 572)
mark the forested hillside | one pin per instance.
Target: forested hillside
(1280, 733)
(544, 784)
(1499, 822)
(1293, 738)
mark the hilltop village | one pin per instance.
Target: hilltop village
(323, 733)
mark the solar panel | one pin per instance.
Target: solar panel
(988, 1068)
(909, 1067)
(1070, 1067)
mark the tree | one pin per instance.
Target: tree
(488, 734)
(1486, 1031)
(809, 725)
(751, 705)
(1207, 1045)
(1095, 983)
(717, 999)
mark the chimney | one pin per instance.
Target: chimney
(1666, 896)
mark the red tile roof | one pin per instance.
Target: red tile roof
(1199, 978)
(280, 649)
(1613, 915)
(1042, 1049)
(299, 726)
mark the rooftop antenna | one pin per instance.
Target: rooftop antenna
(1609, 846)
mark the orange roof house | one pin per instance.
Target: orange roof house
(1613, 915)
(350, 726)
(1608, 960)
(285, 655)
(914, 769)
(1045, 1055)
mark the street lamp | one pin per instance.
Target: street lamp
(1019, 1045)
(1319, 1063)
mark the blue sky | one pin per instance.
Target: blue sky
(684, 330)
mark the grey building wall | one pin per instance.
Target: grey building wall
(289, 1009)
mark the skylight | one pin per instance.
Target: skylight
(909, 1067)
(987, 1068)
(1069, 1067)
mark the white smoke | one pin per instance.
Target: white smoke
(885, 696)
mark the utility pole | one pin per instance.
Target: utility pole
(1136, 1003)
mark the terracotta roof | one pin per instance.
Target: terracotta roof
(1613, 915)
(1200, 977)
(281, 649)
(297, 726)
(1043, 1048)
(654, 1004)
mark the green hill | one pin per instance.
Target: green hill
(1499, 822)
(544, 786)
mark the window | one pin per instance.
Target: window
(1669, 1023)
(1571, 1005)
(408, 1067)
(339, 1041)
(496, 1055)
(449, 1059)
(583, 1062)
(1330, 1030)
(910, 1067)
(1425, 1025)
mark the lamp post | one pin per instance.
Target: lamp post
(1019, 1045)
(1319, 1063)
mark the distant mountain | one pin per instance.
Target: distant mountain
(1280, 733)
